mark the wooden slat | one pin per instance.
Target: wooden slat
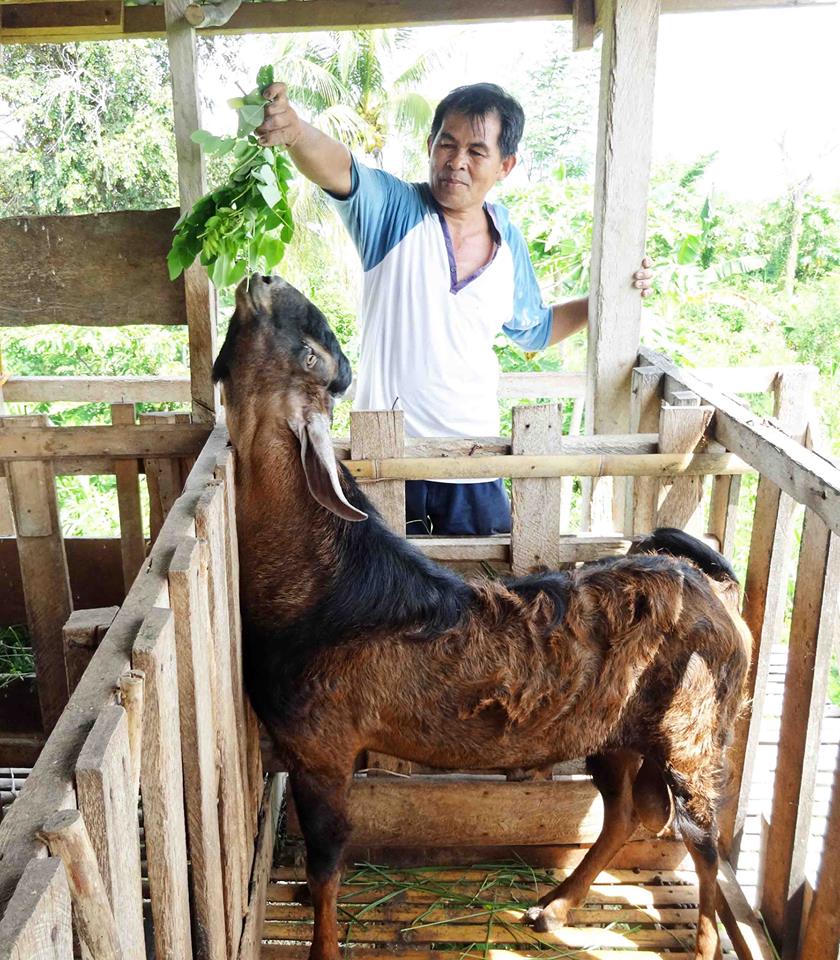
(132, 541)
(36, 923)
(822, 930)
(567, 483)
(583, 24)
(723, 512)
(81, 635)
(98, 389)
(102, 270)
(376, 434)
(291, 951)
(43, 566)
(161, 786)
(803, 474)
(246, 718)
(425, 812)
(763, 608)
(681, 430)
(622, 165)
(66, 835)
(812, 633)
(535, 503)
(50, 785)
(643, 492)
(237, 848)
(107, 798)
(196, 680)
(163, 474)
(183, 440)
(249, 948)
(741, 922)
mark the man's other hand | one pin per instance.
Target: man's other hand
(643, 279)
(281, 125)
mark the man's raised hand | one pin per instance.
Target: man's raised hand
(281, 125)
(643, 279)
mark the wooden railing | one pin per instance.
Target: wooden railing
(159, 706)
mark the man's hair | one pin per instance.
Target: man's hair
(475, 101)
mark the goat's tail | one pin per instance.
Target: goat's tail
(678, 543)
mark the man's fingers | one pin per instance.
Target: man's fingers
(274, 90)
(647, 292)
(647, 262)
(643, 274)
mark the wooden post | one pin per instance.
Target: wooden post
(625, 125)
(36, 923)
(81, 635)
(43, 568)
(67, 837)
(381, 433)
(723, 512)
(682, 427)
(107, 796)
(822, 932)
(764, 603)
(162, 786)
(813, 627)
(567, 483)
(132, 542)
(200, 293)
(7, 522)
(131, 699)
(196, 681)
(164, 475)
(535, 504)
(643, 492)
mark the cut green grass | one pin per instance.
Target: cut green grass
(15, 654)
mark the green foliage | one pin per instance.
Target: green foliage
(89, 128)
(16, 658)
(245, 224)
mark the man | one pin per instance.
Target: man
(444, 272)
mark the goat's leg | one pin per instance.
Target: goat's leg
(321, 804)
(613, 774)
(705, 856)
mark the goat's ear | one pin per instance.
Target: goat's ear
(319, 466)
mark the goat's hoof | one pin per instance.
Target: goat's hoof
(542, 921)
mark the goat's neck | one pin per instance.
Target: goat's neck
(286, 540)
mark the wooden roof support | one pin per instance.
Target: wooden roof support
(625, 126)
(200, 294)
(211, 14)
(583, 24)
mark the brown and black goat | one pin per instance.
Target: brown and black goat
(352, 640)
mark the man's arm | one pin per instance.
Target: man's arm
(567, 318)
(319, 157)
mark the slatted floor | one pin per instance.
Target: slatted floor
(451, 913)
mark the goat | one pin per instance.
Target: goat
(353, 640)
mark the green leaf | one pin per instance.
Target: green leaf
(250, 117)
(270, 193)
(265, 76)
(212, 144)
(271, 250)
(173, 261)
(688, 250)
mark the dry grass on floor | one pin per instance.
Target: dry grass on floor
(435, 913)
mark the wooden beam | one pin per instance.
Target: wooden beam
(192, 185)
(169, 440)
(583, 24)
(132, 541)
(98, 389)
(625, 126)
(805, 475)
(211, 14)
(102, 270)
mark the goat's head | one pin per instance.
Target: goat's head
(281, 361)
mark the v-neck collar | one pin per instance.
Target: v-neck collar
(456, 285)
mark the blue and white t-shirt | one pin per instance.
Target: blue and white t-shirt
(427, 339)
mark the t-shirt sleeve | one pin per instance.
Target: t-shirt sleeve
(530, 325)
(378, 212)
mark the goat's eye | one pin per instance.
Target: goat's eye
(311, 360)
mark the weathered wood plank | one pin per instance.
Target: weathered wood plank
(161, 785)
(98, 389)
(163, 474)
(196, 681)
(535, 503)
(812, 633)
(681, 430)
(132, 541)
(375, 434)
(43, 567)
(741, 922)
(147, 440)
(643, 492)
(81, 635)
(723, 512)
(583, 24)
(622, 166)
(107, 797)
(100, 270)
(36, 923)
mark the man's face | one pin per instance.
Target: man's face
(465, 161)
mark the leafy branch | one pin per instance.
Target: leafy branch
(244, 225)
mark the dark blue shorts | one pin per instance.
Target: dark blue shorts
(456, 508)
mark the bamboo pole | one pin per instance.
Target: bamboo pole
(574, 465)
